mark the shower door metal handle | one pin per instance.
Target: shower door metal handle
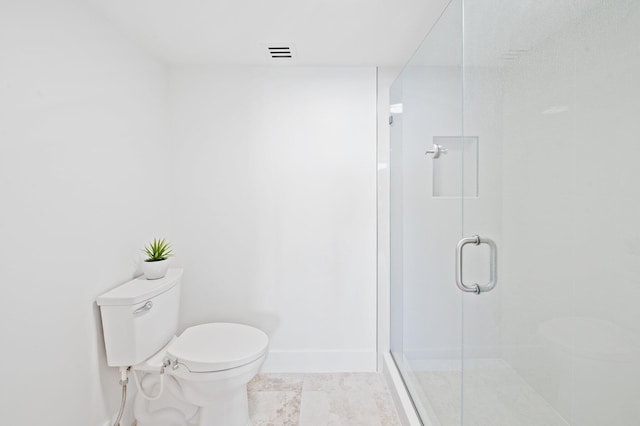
(493, 271)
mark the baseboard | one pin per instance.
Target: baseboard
(404, 406)
(319, 362)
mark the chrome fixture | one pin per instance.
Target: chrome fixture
(493, 273)
(436, 151)
(144, 308)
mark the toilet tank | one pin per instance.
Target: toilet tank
(140, 317)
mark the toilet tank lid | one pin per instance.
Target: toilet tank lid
(139, 290)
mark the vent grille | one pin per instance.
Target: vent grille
(280, 52)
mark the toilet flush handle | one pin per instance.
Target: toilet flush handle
(144, 308)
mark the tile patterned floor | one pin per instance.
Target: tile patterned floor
(494, 395)
(351, 399)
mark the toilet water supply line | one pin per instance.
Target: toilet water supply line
(165, 364)
(124, 380)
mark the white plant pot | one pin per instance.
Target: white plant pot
(155, 270)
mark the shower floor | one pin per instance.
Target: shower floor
(321, 399)
(494, 395)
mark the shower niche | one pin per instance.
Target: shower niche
(456, 168)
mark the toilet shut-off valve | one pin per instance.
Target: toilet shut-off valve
(124, 379)
(124, 375)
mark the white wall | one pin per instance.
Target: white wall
(275, 207)
(81, 142)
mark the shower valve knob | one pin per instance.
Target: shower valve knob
(436, 151)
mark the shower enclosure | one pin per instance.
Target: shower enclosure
(515, 215)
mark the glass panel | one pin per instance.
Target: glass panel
(395, 217)
(426, 306)
(552, 89)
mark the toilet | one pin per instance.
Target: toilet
(198, 378)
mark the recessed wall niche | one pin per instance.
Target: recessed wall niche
(455, 172)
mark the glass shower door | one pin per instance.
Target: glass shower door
(517, 122)
(427, 157)
(552, 94)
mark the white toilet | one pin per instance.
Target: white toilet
(198, 378)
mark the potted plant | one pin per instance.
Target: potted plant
(156, 264)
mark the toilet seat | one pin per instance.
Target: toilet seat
(218, 346)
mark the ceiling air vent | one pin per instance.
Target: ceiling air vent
(280, 51)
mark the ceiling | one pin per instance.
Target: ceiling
(238, 32)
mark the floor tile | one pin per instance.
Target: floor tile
(344, 382)
(347, 408)
(494, 394)
(276, 382)
(336, 399)
(274, 408)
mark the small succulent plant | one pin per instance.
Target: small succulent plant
(158, 250)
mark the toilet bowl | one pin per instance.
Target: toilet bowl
(197, 378)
